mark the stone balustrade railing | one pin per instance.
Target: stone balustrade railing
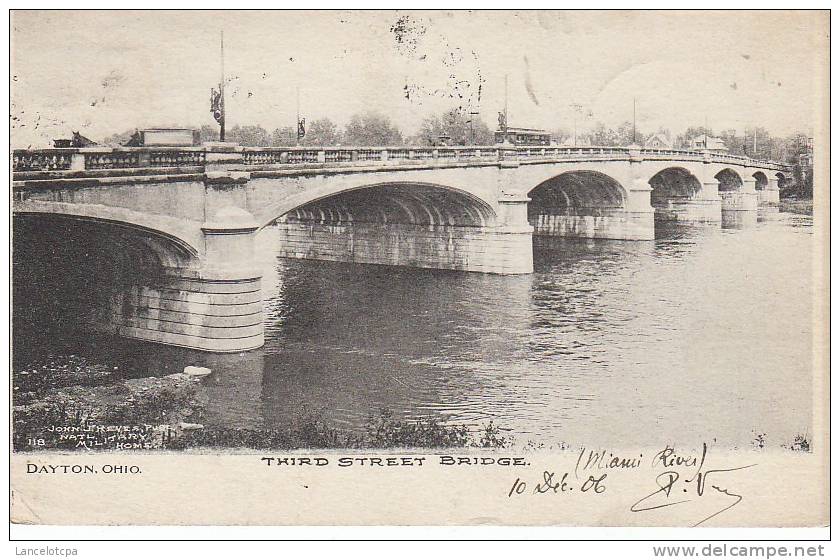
(103, 158)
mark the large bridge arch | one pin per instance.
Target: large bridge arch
(678, 194)
(579, 192)
(738, 198)
(409, 202)
(406, 223)
(181, 239)
(136, 275)
(584, 203)
(79, 272)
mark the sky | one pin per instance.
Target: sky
(107, 72)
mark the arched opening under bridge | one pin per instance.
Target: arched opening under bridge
(739, 207)
(74, 275)
(587, 204)
(405, 224)
(81, 274)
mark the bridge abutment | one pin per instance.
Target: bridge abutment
(215, 315)
(215, 307)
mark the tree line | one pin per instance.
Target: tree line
(366, 129)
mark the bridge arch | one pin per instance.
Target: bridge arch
(761, 180)
(420, 202)
(782, 179)
(78, 273)
(578, 192)
(417, 224)
(729, 180)
(673, 184)
(409, 203)
(168, 246)
(581, 203)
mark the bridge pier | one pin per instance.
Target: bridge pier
(215, 315)
(740, 207)
(769, 196)
(216, 307)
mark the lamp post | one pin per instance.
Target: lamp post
(473, 115)
(506, 109)
(222, 90)
(576, 107)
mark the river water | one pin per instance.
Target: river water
(704, 334)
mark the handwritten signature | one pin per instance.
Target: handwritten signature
(670, 482)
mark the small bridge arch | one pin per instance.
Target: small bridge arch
(729, 180)
(761, 180)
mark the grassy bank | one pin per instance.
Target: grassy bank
(797, 206)
(67, 402)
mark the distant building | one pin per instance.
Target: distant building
(711, 143)
(77, 141)
(659, 142)
(806, 158)
(524, 136)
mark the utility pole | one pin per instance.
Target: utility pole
(706, 133)
(506, 107)
(576, 107)
(473, 115)
(297, 118)
(222, 91)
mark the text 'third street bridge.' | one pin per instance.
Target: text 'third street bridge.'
(181, 222)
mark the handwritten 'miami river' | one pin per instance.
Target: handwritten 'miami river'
(704, 334)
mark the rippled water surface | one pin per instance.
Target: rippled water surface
(705, 333)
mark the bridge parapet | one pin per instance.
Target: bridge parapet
(104, 158)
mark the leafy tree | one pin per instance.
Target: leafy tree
(372, 129)
(209, 133)
(455, 128)
(560, 135)
(322, 132)
(283, 136)
(248, 135)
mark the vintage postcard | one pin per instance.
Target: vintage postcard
(544, 268)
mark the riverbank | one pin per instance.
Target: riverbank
(797, 206)
(66, 402)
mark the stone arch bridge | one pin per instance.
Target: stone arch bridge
(183, 220)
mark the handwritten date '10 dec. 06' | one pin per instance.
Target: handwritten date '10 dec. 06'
(552, 483)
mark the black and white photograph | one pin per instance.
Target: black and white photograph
(567, 268)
